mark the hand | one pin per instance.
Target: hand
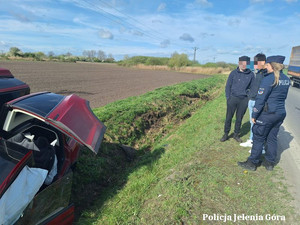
(253, 120)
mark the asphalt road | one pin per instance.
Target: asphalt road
(289, 145)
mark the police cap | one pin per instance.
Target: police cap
(276, 58)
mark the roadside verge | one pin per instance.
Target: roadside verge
(288, 148)
(186, 175)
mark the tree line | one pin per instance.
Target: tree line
(175, 61)
(87, 56)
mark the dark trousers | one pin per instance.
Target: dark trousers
(266, 129)
(238, 105)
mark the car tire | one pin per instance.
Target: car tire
(292, 83)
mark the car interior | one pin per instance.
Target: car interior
(33, 134)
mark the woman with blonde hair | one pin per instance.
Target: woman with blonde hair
(268, 114)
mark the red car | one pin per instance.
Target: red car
(41, 137)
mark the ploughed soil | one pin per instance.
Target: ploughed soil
(99, 83)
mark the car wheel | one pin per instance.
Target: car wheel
(293, 83)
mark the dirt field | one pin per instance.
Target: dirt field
(98, 83)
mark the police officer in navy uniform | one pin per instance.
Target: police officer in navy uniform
(237, 88)
(268, 114)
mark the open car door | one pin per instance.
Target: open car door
(71, 114)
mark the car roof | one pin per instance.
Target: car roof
(5, 73)
(41, 103)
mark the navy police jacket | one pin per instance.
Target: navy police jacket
(271, 98)
(256, 83)
(239, 83)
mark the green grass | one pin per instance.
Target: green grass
(129, 120)
(189, 173)
(139, 122)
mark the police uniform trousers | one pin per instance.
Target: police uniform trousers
(238, 105)
(266, 130)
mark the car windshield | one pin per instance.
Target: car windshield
(41, 104)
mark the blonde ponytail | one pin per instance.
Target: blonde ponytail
(277, 67)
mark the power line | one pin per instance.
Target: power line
(127, 21)
(131, 18)
(119, 21)
(122, 22)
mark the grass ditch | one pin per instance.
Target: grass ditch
(138, 122)
(187, 173)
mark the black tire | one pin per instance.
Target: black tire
(292, 83)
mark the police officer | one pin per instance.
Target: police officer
(237, 87)
(268, 114)
(259, 65)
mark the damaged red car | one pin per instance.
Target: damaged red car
(41, 137)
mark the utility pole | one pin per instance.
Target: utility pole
(195, 50)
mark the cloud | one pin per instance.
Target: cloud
(156, 21)
(228, 52)
(165, 43)
(161, 7)
(204, 3)
(21, 17)
(205, 35)
(105, 34)
(186, 37)
(4, 44)
(64, 28)
(259, 1)
(137, 33)
(122, 29)
(234, 22)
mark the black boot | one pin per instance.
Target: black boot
(237, 137)
(247, 165)
(224, 138)
(268, 165)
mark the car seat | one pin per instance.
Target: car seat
(44, 157)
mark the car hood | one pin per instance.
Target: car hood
(70, 114)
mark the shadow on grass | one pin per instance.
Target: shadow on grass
(116, 164)
(245, 129)
(284, 140)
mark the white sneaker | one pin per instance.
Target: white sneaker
(263, 151)
(248, 143)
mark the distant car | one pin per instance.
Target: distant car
(10, 87)
(41, 137)
(251, 66)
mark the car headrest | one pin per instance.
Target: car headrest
(41, 142)
(18, 138)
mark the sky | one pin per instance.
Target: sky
(219, 30)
